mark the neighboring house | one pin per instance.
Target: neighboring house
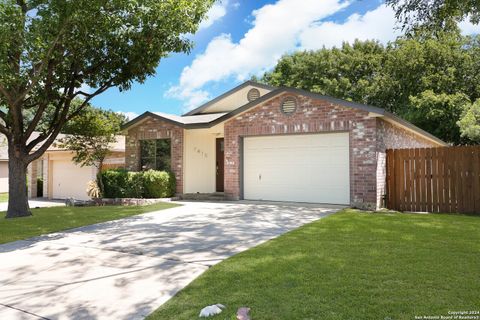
(3, 164)
(62, 178)
(263, 143)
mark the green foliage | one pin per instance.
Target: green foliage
(470, 122)
(434, 14)
(114, 182)
(134, 187)
(400, 77)
(119, 183)
(430, 109)
(4, 197)
(158, 184)
(348, 72)
(91, 135)
(92, 121)
(100, 42)
(39, 187)
(51, 50)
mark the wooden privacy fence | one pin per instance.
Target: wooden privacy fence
(445, 179)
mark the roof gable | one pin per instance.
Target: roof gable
(231, 99)
(200, 118)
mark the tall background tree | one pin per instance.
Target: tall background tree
(470, 122)
(429, 78)
(434, 14)
(50, 50)
(91, 136)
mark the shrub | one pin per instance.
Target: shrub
(119, 183)
(114, 183)
(134, 186)
(158, 184)
(39, 187)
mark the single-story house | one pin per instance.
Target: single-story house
(62, 177)
(259, 142)
(3, 164)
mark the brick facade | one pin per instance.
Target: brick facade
(393, 137)
(311, 116)
(369, 137)
(156, 129)
(32, 175)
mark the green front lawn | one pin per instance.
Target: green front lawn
(47, 220)
(4, 197)
(351, 265)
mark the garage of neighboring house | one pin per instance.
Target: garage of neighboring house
(3, 175)
(75, 185)
(63, 178)
(3, 164)
(300, 168)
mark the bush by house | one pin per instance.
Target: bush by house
(120, 183)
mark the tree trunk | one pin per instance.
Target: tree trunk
(17, 185)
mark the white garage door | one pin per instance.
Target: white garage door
(300, 168)
(70, 180)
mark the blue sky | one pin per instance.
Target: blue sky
(241, 38)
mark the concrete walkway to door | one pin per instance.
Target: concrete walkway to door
(125, 269)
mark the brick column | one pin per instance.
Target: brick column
(32, 173)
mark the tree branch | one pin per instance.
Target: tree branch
(3, 115)
(4, 130)
(22, 5)
(5, 93)
(43, 106)
(41, 65)
(44, 135)
(63, 118)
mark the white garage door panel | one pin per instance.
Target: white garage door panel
(70, 180)
(303, 168)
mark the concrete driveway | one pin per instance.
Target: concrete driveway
(39, 203)
(125, 269)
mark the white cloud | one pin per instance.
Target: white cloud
(216, 12)
(378, 24)
(130, 115)
(275, 30)
(191, 98)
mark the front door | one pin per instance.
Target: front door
(220, 164)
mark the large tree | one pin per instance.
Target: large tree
(469, 123)
(427, 78)
(51, 50)
(434, 14)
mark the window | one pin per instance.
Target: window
(155, 154)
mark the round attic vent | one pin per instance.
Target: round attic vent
(253, 94)
(289, 105)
